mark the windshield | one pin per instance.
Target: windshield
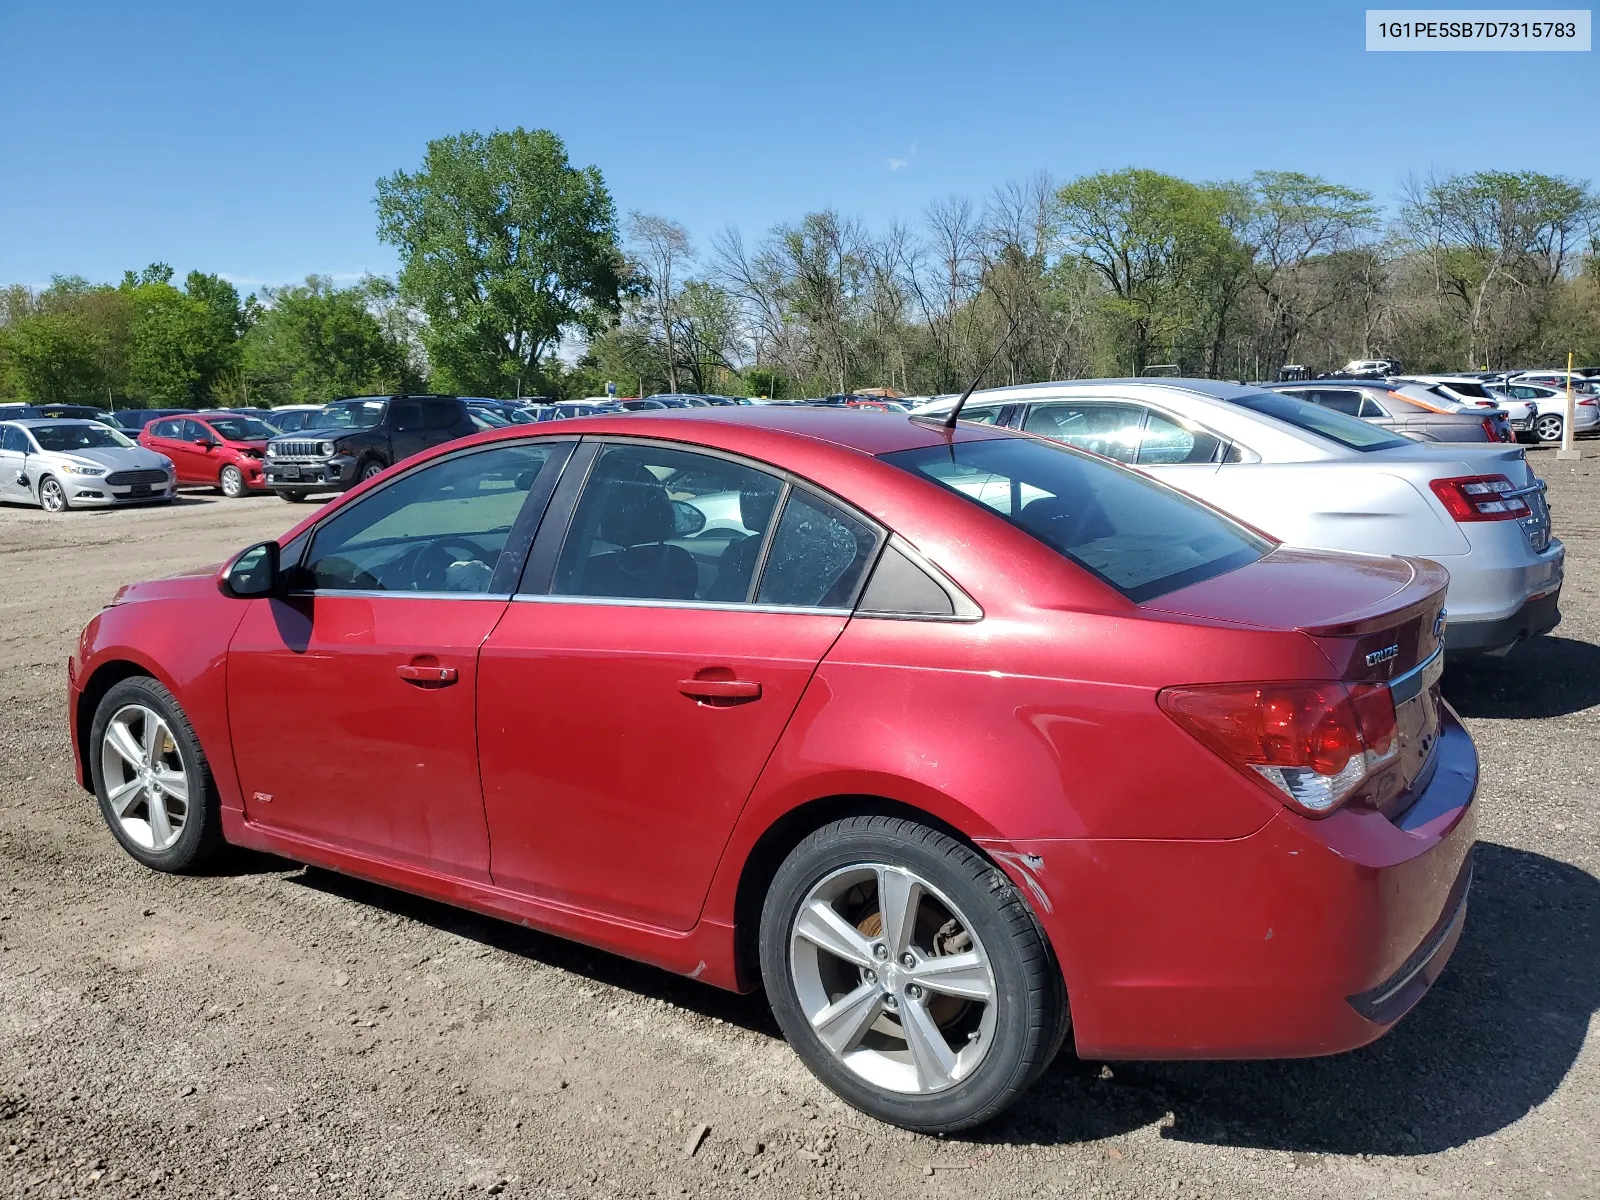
(1141, 537)
(1350, 432)
(351, 414)
(242, 429)
(69, 437)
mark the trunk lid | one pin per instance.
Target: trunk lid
(1379, 621)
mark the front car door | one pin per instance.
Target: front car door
(353, 701)
(406, 433)
(14, 449)
(636, 685)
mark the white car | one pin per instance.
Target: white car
(1313, 477)
(60, 464)
(1549, 409)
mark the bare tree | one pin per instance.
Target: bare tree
(661, 246)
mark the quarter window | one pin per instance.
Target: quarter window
(1343, 401)
(818, 557)
(655, 523)
(438, 529)
(439, 414)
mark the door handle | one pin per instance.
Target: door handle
(438, 676)
(729, 691)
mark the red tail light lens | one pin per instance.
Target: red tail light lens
(1310, 744)
(1495, 432)
(1480, 498)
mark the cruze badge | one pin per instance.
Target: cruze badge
(1383, 656)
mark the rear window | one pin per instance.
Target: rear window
(1350, 432)
(1141, 537)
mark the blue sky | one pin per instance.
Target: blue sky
(246, 138)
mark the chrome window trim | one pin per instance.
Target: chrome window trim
(369, 594)
(707, 605)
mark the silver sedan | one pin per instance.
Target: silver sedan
(1311, 476)
(62, 464)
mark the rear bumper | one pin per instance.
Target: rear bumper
(1492, 586)
(1305, 938)
(1536, 616)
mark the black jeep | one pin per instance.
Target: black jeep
(353, 439)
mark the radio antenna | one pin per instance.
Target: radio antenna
(950, 421)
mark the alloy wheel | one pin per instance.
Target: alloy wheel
(371, 469)
(51, 496)
(1548, 428)
(145, 780)
(893, 979)
(232, 482)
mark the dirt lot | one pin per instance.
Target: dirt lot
(274, 1031)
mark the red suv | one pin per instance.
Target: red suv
(958, 741)
(220, 449)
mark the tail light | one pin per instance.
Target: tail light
(1480, 498)
(1311, 745)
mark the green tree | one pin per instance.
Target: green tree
(505, 248)
(52, 358)
(314, 341)
(1159, 243)
(180, 343)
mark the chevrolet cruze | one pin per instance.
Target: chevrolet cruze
(958, 741)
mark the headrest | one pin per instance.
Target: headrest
(636, 508)
(755, 506)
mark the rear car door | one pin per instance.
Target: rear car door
(163, 436)
(638, 682)
(443, 420)
(406, 433)
(353, 700)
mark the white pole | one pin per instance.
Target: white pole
(1568, 449)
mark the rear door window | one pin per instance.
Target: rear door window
(1135, 534)
(819, 555)
(655, 523)
(1108, 429)
(439, 415)
(1166, 442)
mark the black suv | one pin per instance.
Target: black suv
(355, 438)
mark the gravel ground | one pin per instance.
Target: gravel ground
(275, 1031)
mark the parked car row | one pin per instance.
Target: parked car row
(959, 740)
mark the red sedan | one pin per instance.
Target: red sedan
(956, 741)
(221, 449)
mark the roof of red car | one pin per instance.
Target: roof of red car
(853, 429)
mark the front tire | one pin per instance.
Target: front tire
(1548, 427)
(231, 482)
(370, 469)
(151, 776)
(294, 496)
(52, 496)
(909, 974)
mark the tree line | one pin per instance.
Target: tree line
(517, 277)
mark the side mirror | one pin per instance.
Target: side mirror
(253, 573)
(686, 519)
(205, 443)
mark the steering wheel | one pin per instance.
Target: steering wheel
(433, 561)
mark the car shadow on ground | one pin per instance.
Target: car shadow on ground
(748, 1012)
(1493, 1039)
(1545, 677)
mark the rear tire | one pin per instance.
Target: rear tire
(937, 1023)
(152, 779)
(1547, 427)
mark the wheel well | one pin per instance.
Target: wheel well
(105, 677)
(787, 832)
